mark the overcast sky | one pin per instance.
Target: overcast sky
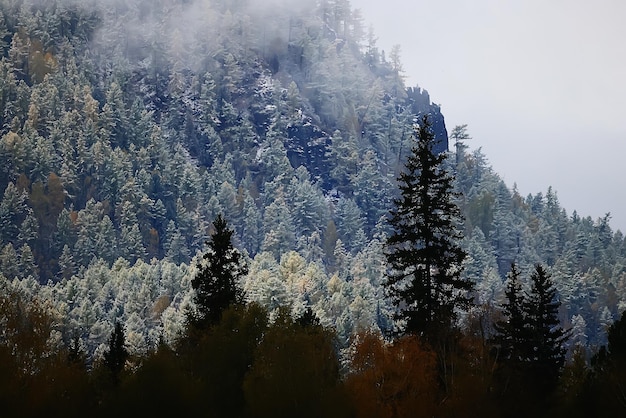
(540, 83)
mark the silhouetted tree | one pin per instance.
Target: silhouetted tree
(546, 337)
(424, 251)
(117, 354)
(308, 318)
(511, 330)
(216, 284)
(295, 372)
(531, 343)
(606, 393)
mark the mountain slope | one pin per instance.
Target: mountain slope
(126, 127)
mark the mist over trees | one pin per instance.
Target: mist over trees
(127, 127)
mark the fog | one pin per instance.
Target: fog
(540, 84)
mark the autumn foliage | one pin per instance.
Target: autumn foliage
(392, 379)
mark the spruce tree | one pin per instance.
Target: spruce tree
(216, 284)
(530, 338)
(512, 330)
(424, 253)
(546, 337)
(115, 357)
(605, 385)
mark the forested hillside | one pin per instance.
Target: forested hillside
(126, 127)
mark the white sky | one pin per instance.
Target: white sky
(540, 83)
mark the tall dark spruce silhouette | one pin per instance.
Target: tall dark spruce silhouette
(216, 285)
(117, 354)
(424, 252)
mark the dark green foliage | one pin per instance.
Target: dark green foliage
(530, 341)
(546, 337)
(117, 354)
(424, 250)
(606, 387)
(295, 371)
(219, 359)
(241, 366)
(617, 340)
(160, 387)
(512, 333)
(308, 318)
(217, 284)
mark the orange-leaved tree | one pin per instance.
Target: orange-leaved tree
(392, 380)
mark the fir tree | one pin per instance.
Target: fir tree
(217, 284)
(424, 252)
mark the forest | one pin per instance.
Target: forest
(128, 128)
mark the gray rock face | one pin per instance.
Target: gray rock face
(420, 103)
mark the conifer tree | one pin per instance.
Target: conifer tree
(511, 330)
(424, 252)
(605, 389)
(530, 338)
(546, 336)
(216, 284)
(115, 357)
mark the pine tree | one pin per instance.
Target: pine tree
(424, 252)
(217, 284)
(369, 188)
(26, 263)
(279, 227)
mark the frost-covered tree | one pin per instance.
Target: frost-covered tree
(349, 222)
(369, 189)
(131, 242)
(176, 249)
(309, 211)
(9, 265)
(279, 227)
(252, 225)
